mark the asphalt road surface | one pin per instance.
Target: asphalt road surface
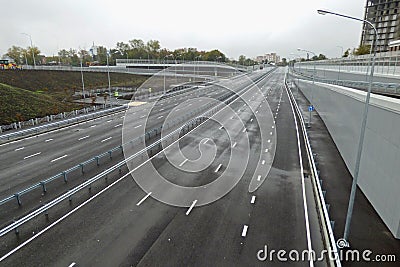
(124, 226)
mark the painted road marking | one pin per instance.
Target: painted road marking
(259, 178)
(143, 199)
(263, 162)
(266, 150)
(137, 126)
(72, 264)
(93, 126)
(160, 117)
(48, 140)
(273, 126)
(161, 109)
(221, 127)
(109, 121)
(244, 130)
(17, 149)
(177, 109)
(234, 144)
(30, 156)
(191, 207)
(244, 231)
(219, 167)
(118, 125)
(58, 158)
(253, 199)
(270, 133)
(183, 162)
(206, 140)
(108, 138)
(251, 119)
(87, 136)
(269, 141)
(142, 117)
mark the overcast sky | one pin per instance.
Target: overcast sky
(251, 27)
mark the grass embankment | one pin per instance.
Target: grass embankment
(29, 94)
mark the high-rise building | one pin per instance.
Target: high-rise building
(385, 15)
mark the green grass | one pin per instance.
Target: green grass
(18, 104)
(29, 94)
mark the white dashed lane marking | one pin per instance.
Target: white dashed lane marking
(30, 156)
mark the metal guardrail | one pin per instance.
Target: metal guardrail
(44, 127)
(195, 121)
(42, 184)
(377, 87)
(333, 255)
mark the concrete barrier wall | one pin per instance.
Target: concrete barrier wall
(341, 109)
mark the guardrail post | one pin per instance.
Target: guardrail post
(43, 186)
(110, 152)
(82, 167)
(36, 121)
(17, 197)
(19, 125)
(65, 177)
(97, 160)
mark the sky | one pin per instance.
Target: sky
(250, 28)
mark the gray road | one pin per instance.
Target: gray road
(121, 227)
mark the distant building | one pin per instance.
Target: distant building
(272, 57)
(385, 15)
(259, 59)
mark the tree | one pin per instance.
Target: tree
(17, 53)
(242, 59)
(362, 50)
(32, 51)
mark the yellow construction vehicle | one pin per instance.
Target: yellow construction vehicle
(5, 64)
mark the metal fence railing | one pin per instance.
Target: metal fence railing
(50, 122)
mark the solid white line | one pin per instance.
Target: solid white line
(191, 207)
(159, 117)
(58, 158)
(27, 157)
(83, 137)
(307, 223)
(244, 231)
(108, 138)
(17, 149)
(206, 140)
(219, 167)
(233, 146)
(263, 162)
(72, 264)
(143, 199)
(118, 125)
(183, 162)
(137, 126)
(48, 140)
(253, 199)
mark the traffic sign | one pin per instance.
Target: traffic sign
(311, 108)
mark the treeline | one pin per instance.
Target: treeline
(134, 49)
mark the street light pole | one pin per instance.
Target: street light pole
(311, 107)
(108, 75)
(363, 124)
(340, 63)
(33, 54)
